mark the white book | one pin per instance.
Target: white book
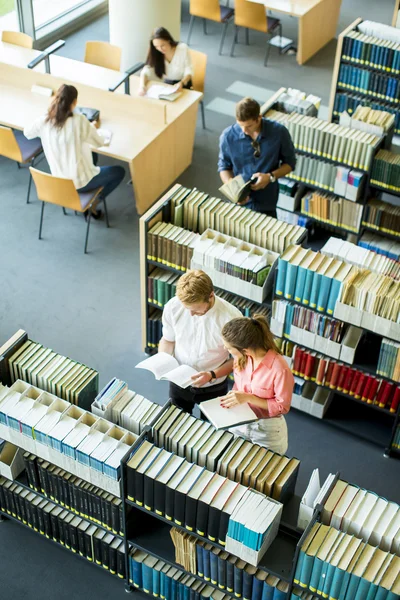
(223, 418)
(342, 506)
(166, 367)
(382, 524)
(390, 533)
(373, 517)
(362, 513)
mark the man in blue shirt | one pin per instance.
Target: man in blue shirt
(256, 147)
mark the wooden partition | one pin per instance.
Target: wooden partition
(317, 28)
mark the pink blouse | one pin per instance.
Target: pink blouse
(272, 380)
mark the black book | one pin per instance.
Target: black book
(13, 487)
(44, 477)
(6, 491)
(22, 505)
(56, 489)
(46, 518)
(73, 530)
(170, 488)
(97, 506)
(138, 456)
(34, 470)
(97, 549)
(112, 559)
(121, 570)
(167, 472)
(89, 542)
(102, 498)
(34, 513)
(67, 531)
(105, 549)
(248, 578)
(109, 499)
(2, 499)
(66, 489)
(16, 502)
(204, 501)
(57, 510)
(214, 565)
(150, 475)
(190, 479)
(60, 487)
(227, 510)
(40, 516)
(192, 498)
(50, 471)
(85, 500)
(83, 526)
(91, 502)
(217, 504)
(238, 578)
(115, 507)
(61, 525)
(222, 557)
(230, 572)
(25, 458)
(149, 459)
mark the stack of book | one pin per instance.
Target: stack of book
(224, 570)
(349, 183)
(389, 360)
(382, 216)
(311, 278)
(347, 101)
(233, 457)
(54, 373)
(332, 210)
(170, 245)
(62, 526)
(370, 51)
(197, 211)
(378, 85)
(343, 378)
(378, 244)
(339, 565)
(74, 494)
(386, 171)
(315, 172)
(334, 142)
(201, 501)
(296, 101)
(366, 118)
(363, 514)
(154, 329)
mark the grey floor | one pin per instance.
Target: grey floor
(88, 307)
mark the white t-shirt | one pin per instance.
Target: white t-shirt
(179, 67)
(198, 339)
(68, 149)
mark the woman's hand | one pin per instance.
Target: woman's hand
(142, 91)
(233, 398)
(179, 87)
(201, 378)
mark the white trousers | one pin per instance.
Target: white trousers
(270, 433)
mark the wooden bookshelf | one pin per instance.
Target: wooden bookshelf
(396, 12)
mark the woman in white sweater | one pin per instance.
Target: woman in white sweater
(67, 138)
(168, 61)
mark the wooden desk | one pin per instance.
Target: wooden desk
(155, 138)
(317, 26)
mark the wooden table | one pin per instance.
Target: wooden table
(154, 137)
(317, 25)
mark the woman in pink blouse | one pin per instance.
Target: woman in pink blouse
(262, 378)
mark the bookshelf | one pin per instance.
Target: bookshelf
(396, 14)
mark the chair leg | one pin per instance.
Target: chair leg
(64, 211)
(267, 52)
(29, 188)
(223, 37)
(190, 29)
(76, 212)
(41, 221)
(247, 37)
(205, 26)
(87, 229)
(235, 37)
(106, 212)
(203, 117)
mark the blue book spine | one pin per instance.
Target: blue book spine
(351, 593)
(192, 594)
(300, 281)
(323, 295)
(214, 568)
(221, 573)
(268, 592)
(174, 589)
(363, 589)
(316, 574)
(199, 557)
(237, 581)
(162, 585)
(316, 284)
(333, 296)
(328, 580)
(345, 584)
(280, 277)
(307, 287)
(321, 582)
(136, 573)
(247, 585)
(147, 575)
(229, 576)
(299, 567)
(288, 320)
(206, 565)
(167, 588)
(279, 594)
(290, 281)
(256, 593)
(186, 592)
(336, 584)
(156, 583)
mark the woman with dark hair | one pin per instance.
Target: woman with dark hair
(66, 139)
(263, 379)
(167, 61)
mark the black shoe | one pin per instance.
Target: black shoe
(97, 215)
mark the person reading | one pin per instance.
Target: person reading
(262, 378)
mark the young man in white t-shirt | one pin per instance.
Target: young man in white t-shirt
(192, 325)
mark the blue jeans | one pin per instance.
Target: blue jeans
(109, 178)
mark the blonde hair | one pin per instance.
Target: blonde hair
(249, 333)
(194, 286)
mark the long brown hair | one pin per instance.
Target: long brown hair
(155, 58)
(60, 108)
(249, 333)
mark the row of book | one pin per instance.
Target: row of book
(296, 101)
(202, 501)
(362, 256)
(170, 245)
(225, 571)
(348, 101)
(230, 456)
(380, 245)
(53, 521)
(154, 329)
(312, 278)
(74, 494)
(384, 87)
(371, 52)
(295, 219)
(343, 378)
(349, 183)
(198, 211)
(124, 407)
(54, 373)
(161, 580)
(363, 514)
(386, 170)
(292, 315)
(382, 216)
(330, 140)
(39, 422)
(389, 360)
(370, 119)
(314, 171)
(337, 565)
(330, 209)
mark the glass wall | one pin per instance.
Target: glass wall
(8, 16)
(47, 11)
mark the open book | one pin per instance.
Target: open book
(237, 190)
(166, 367)
(163, 92)
(223, 418)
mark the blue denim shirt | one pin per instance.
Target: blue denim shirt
(236, 154)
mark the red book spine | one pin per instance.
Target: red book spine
(347, 381)
(342, 376)
(367, 387)
(354, 383)
(382, 387)
(386, 394)
(395, 401)
(309, 367)
(372, 392)
(328, 373)
(302, 367)
(360, 386)
(319, 378)
(315, 368)
(335, 375)
(297, 360)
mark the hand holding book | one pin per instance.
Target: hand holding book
(234, 398)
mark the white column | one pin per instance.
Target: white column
(132, 22)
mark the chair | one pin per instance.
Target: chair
(103, 54)
(252, 16)
(62, 192)
(17, 38)
(199, 61)
(15, 146)
(212, 10)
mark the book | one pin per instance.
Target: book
(166, 367)
(237, 189)
(223, 418)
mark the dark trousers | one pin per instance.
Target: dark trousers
(109, 178)
(187, 398)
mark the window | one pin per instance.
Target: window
(47, 11)
(8, 16)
